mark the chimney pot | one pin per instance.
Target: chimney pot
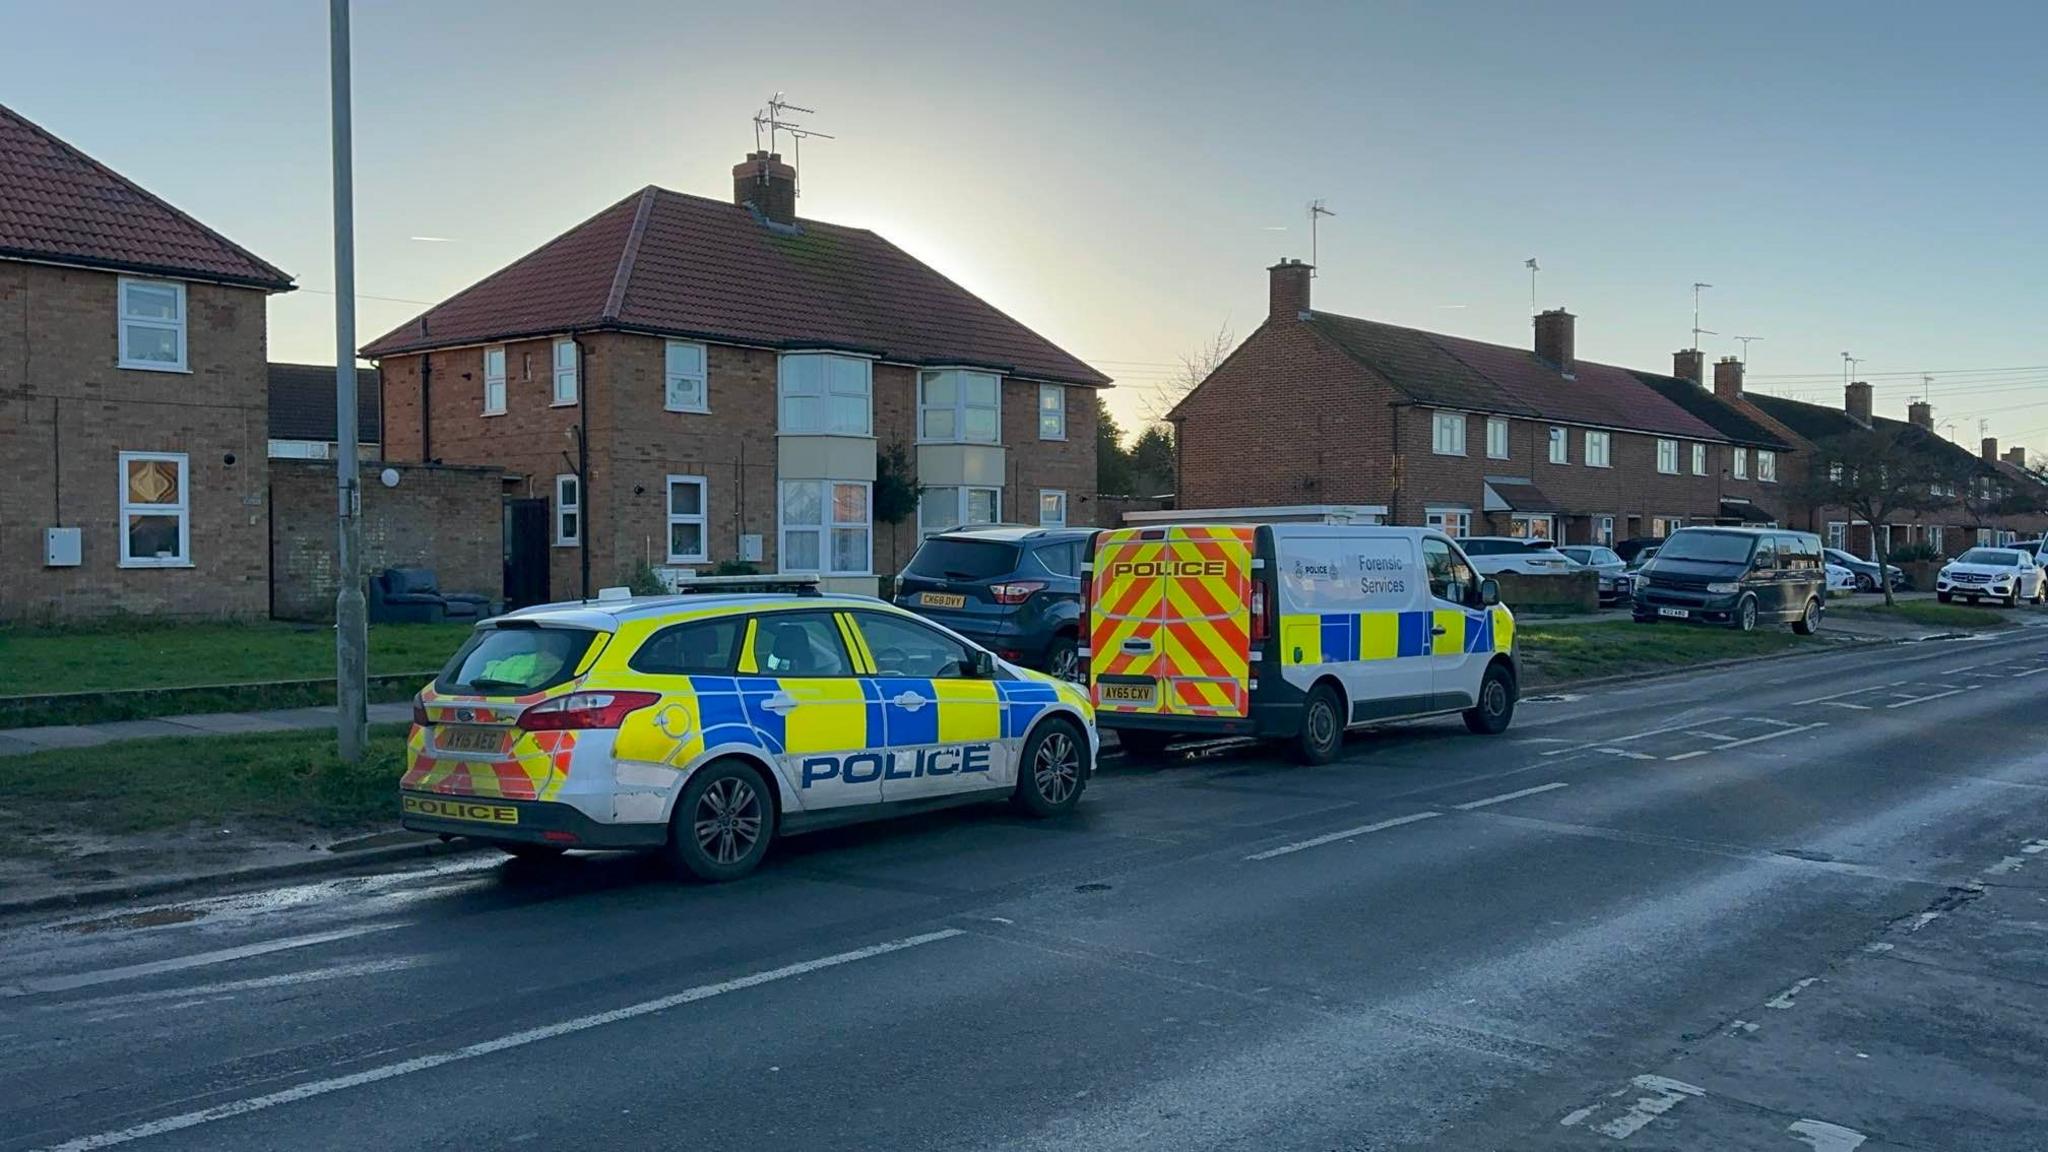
(1728, 378)
(2016, 456)
(1990, 449)
(1921, 413)
(1555, 339)
(1689, 364)
(1288, 289)
(1856, 402)
(765, 182)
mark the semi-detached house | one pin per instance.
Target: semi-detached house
(1473, 438)
(680, 381)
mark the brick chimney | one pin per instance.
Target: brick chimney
(1921, 414)
(1287, 293)
(2016, 456)
(1689, 364)
(1728, 378)
(1856, 402)
(765, 182)
(1554, 339)
(1990, 449)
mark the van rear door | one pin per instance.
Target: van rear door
(1170, 621)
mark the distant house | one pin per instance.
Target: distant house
(303, 414)
(133, 379)
(680, 381)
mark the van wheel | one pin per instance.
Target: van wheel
(1745, 614)
(723, 822)
(1322, 727)
(1809, 620)
(1496, 707)
(1054, 769)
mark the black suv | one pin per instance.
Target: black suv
(1735, 576)
(1014, 590)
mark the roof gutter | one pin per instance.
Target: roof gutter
(161, 270)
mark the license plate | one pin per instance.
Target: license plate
(1126, 693)
(481, 812)
(1674, 613)
(941, 600)
(464, 738)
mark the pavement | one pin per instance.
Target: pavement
(22, 741)
(1798, 906)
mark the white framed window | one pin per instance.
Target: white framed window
(565, 371)
(1934, 540)
(1667, 457)
(1699, 459)
(1598, 445)
(1835, 472)
(1530, 526)
(685, 386)
(824, 394)
(1496, 438)
(152, 325)
(688, 512)
(946, 507)
(1838, 535)
(1662, 526)
(494, 380)
(1603, 530)
(1560, 445)
(1052, 412)
(156, 510)
(1739, 463)
(1767, 466)
(1052, 508)
(568, 510)
(1447, 433)
(1453, 522)
(958, 407)
(827, 527)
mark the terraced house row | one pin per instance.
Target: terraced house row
(1474, 438)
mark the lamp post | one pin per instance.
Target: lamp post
(351, 625)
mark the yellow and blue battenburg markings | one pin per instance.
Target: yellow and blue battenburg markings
(892, 712)
(1349, 637)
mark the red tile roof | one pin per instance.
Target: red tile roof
(59, 205)
(673, 264)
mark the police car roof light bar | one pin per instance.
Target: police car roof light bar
(773, 585)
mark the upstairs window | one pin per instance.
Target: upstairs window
(156, 520)
(1052, 412)
(1560, 446)
(494, 381)
(686, 517)
(826, 395)
(1598, 445)
(1699, 459)
(1447, 434)
(565, 371)
(684, 385)
(1739, 468)
(1767, 466)
(1496, 438)
(955, 407)
(152, 325)
(1667, 457)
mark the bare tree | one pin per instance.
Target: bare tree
(1195, 367)
(1878, 475)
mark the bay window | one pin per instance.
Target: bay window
(943, 507)
(825, 394)
(827, 527)
(958, 407)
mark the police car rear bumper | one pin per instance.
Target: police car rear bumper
(520, 822)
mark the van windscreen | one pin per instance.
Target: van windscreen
(1708, 547)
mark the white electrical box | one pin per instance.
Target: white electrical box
(60, 548)
(750, 547)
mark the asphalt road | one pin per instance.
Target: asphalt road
(1798, 905)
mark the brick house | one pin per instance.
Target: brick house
(303, 419)
(132, 397)
(1471, 437)
(735, 373)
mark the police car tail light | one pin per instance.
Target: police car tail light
(419, 714)
(1259, 617)
(1016, 591)
(585, 710)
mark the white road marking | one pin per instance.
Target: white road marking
(1825, 1137)
(1910, 701)
(1846, 704)
(1879, 946)
(2034, 847)
(1783, 1000)
(44, 984)
(1709, 735)
(1743, 1026)
(2009, 864)
(1749, 740)
(1922, 921)
(1773, 723)
(1625, 753)
(228, 987)
(1664, 1095)
(382, 1072)
(1348, 833)
(1506, 796)
(1637, 735)
(1839, 695)
(2031, 672)
(1578, 1116)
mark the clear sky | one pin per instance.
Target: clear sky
(1858, 176)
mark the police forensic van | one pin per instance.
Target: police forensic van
(1291, 631)
(709, 723)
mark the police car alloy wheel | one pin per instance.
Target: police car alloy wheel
(1054, 771)
(722, 822)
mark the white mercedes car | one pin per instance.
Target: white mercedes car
(1840, 579)
(2007, 574)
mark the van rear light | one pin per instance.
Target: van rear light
(1016, 591)
(585, 710)
(1261, 626)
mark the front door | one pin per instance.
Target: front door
(815, 709)
(1458, 642)
(526, 553)
(944, 724)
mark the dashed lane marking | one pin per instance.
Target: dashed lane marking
(1783, 1000)
(1346, 834)
(35, 985)
(1662, 1094)
(1507, 796)
(1750, 740)
(1908, 703)
(1602, 744)
(1825, 1137)
(1839, 695)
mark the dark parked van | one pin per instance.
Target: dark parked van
(1741, 577)
(1011, 589)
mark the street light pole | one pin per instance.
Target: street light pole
(351, 627)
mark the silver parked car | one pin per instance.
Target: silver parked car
(1613, 570)
(1528, 556)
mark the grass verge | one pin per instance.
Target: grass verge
(1583, 652)
(294, 779)
(1933, 614)
(142, 655)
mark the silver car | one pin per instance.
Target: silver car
(1613, 570)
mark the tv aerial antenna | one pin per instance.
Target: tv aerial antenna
(1316, 212)
(1530, 264)
(1698, 331)
(774, 118)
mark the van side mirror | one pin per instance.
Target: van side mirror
(1489, 592)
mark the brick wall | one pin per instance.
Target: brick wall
(447, 518)
(67, 411)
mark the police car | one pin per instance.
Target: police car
(708, 723)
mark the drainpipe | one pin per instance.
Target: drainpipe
(426, 408)
(583, 462)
